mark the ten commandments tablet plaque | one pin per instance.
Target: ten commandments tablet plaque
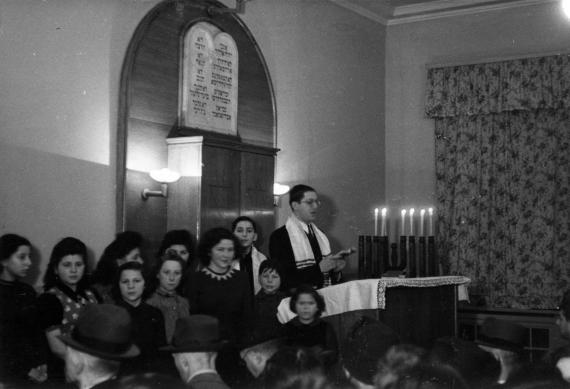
(209, 80)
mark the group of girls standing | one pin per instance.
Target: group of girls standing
(155, 294)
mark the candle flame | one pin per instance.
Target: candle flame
(412, 210)
(403, 212)
(384, 211)
(430, 211)
(422, 212)
(375, 211)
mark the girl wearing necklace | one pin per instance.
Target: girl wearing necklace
(221, 291)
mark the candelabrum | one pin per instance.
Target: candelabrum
(411, 257)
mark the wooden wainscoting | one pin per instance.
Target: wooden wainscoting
(542, 335)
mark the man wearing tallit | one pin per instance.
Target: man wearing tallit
(302, 249)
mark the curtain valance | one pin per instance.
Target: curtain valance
(515, 85)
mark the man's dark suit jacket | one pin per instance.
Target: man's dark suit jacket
(281, 250)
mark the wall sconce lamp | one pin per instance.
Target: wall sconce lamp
(239, 8)
(278, 191)
(163, 177)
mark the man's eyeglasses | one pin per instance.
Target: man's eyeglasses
(312, 202)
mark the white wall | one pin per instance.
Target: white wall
(327, 66)
(410, 168)
(59, 77)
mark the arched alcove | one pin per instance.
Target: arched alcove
(149, 111)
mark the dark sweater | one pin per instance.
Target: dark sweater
(265, 324)
(318, 335)
(148, 334)
(226, 297)
(22, 345)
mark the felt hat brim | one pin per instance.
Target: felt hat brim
(131, 351)
(195, 348)
(500, 344)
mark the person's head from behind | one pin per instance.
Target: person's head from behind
(270, 276)
(100, 339)
(178, 240)
(294, 367)
(307, 303)
(125, 248)
(563, 319)
(395, 363)
(129, 285)
(67, 264)
(366, 342)
(257, 355)
(426, 376)
(304, 202)
(168, 271)
(195, 344)
(245, 230)
(217, 249)
(15, 257)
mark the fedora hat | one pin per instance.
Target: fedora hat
(103, 330)
(502, 334)
(196, 333)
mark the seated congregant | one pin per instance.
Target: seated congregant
(148, 323)
(125, 248)
(167, 276)
(66, 295)
(21, 341)
(302, 249)
(307, 329)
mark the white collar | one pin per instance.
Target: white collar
(202, 371)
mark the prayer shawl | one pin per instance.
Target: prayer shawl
(304, 256)
(256, 258)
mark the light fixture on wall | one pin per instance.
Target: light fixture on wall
(239, 8)
(163, 177)
(566, 7)
(278, 191)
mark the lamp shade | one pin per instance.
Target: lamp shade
(279, 189)
(164, 176)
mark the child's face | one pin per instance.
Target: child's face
(170, 275)
(270, 281)
(245, 233)
(306, 307)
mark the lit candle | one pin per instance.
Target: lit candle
(375, 221)
(430, 229)
(383, 226)
(412, 211)
(422, 214)
(403, 222)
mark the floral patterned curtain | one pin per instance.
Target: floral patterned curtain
(503, 177)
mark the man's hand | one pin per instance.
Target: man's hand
(336, 261)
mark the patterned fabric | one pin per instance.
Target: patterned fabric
(172, 306)
(524, 84)
(71, 308)
(503, 177)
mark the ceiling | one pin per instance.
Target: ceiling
(404, 11)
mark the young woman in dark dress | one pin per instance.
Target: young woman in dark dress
(125, 248)
(221, 291)
(147, 321)
(66, 293)
(21, 343)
